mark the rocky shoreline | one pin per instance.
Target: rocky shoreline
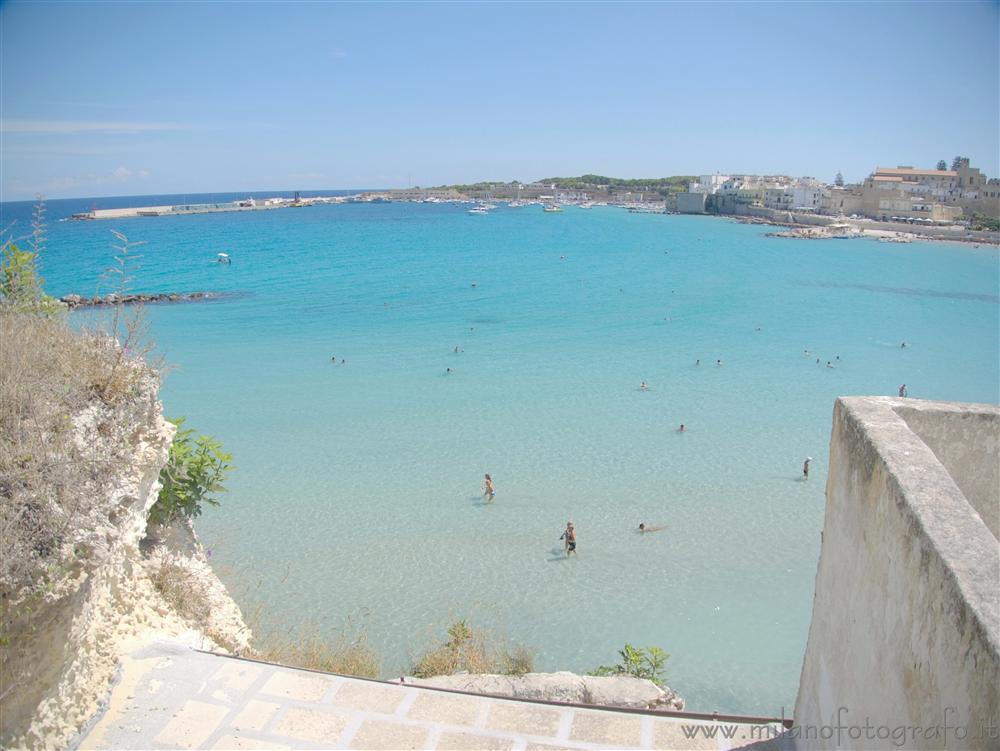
(879, 231)
(78, 301)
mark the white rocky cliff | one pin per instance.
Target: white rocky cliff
(63, 640)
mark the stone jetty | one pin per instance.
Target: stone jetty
(76, 301)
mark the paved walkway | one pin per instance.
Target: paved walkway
(172, 697)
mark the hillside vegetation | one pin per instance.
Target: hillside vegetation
(660, 185)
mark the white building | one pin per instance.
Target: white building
(805, 197)
(709, 184)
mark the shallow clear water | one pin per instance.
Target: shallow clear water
(358, 485)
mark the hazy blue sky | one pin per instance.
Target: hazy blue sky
(127, 98)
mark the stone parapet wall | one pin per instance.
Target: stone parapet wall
(905, 629)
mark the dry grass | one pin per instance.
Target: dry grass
(182, 590)
(473, 651)
(347, 654)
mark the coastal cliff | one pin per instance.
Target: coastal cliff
(83, 580)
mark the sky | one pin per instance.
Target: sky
(100, 99)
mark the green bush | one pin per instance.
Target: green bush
(984, 223)
(194, 473)
(20, 284)
(640, 663)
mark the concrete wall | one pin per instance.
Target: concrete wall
(904, 643)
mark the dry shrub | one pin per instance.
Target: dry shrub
(517, 660)
(346, 654)
(182, 589)
(473, 651)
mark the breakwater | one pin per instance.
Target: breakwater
(183, 209)
(77, 301)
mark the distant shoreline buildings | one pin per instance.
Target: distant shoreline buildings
(904, 193)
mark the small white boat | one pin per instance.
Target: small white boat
(479, 210)
(552, 208)
(223, 258)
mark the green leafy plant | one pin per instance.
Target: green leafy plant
(193, 475)
(645, 663)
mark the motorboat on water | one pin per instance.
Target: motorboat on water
(223, 258)
(551, 208)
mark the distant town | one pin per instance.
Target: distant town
(960, 202)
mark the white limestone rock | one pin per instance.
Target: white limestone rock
(612, 691)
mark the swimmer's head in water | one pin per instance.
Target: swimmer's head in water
(642, 525)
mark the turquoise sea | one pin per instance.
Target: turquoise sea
(358, 484)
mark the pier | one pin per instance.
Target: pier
(184, 209)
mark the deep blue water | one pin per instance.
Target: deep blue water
(358, 484)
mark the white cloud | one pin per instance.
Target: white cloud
(70, 127)
(118, 176)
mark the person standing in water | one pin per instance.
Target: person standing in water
(805, 467)
(569, 535)
(902, 390)
(488, 490)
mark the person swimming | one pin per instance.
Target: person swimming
(644, 386)
(681, 429)
(644, 528)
